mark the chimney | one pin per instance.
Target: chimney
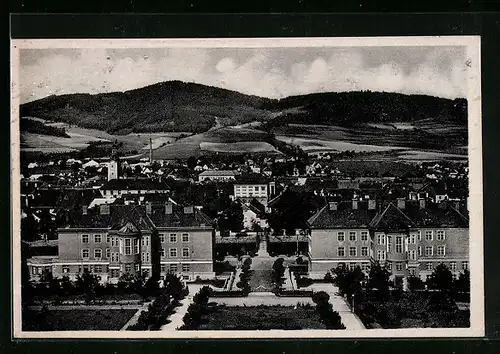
(333, 205)
(188, 209)
(168, 208)
(401, 203)
(104, 209)
(355, 204)
(422, 203)
(148, 208)
(84, 210)
(372, 204)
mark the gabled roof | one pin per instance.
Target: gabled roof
(343, 217)
(134, 217)
(252, 178)
(391, 218)
(228, 173)
(436, 217)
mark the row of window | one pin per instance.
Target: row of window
(250, 188)
(412, 240)
(114, 241)
(145, 256)
(173, 238)
(352, 236)
(412, 254)
(353, 251)
(172, 252)
(173, 268)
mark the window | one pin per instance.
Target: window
(97, 253)
(399, 266)
(128, 246)
(341, 252)
(162, 268)
(413, 239)
(364, 251)
(65, 269)
(453, 266)
(352, 266)
(441, 251)
(381, 239)
(85, 253)
(389, 265)
(353, 251)
(381, 255)
(137, 267)
(185, 238)
(185, 267)
(399, 244)
(465, 265)
(85, 238)
(352, 235)
(365, 267)
(115, 273)
(419, 235)
(162, 238)
(173, 252)
(173, 268)
(98, 269)
(173, 238)
(163, 252)
(97, 238)
(428, 266)
(86, 268)
(108, 239)
(185, 252)
(145, 240)
(128, 268)
(108, 253)
(389, 244)
(340, 236)
(115, 257)
(136, 246)
(114, 241)
(440, 235)
(428, 235)
(413, 255)
(428, 251)
(364, 235)
(411, 271)
(420, 251)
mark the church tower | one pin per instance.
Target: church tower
(113, 165)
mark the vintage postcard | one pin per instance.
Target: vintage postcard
(253, 188)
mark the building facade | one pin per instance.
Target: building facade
(113, 240)
(410, 239)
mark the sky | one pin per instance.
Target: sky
(268, 72)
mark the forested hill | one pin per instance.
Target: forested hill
(166, 106)
(179, 106)
(350, 108)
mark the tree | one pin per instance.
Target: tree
(415, 283)
(87, 284)
(379, 279)
(174, 287)
(191, 162)
(291, 211)
(441, 279)
(349, 281)
(278, 272)
(232, 217)
(462, 284)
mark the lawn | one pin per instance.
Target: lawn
(76, 320)
(261, 317)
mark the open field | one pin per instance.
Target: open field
(240, 147)
(261, 318)
(76, 320)
(313, 145)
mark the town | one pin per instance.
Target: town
(326, 240)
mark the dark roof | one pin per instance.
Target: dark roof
(134, 184)
(252, 178)
(122, 217)
(391, 218)
(343, 217)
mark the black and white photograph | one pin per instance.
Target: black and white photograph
(253, 188)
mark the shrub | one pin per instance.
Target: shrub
(320, 297)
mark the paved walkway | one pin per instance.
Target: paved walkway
(261, 269)
(349, 319)
(133, 320)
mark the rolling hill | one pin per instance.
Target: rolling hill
(176, 106)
